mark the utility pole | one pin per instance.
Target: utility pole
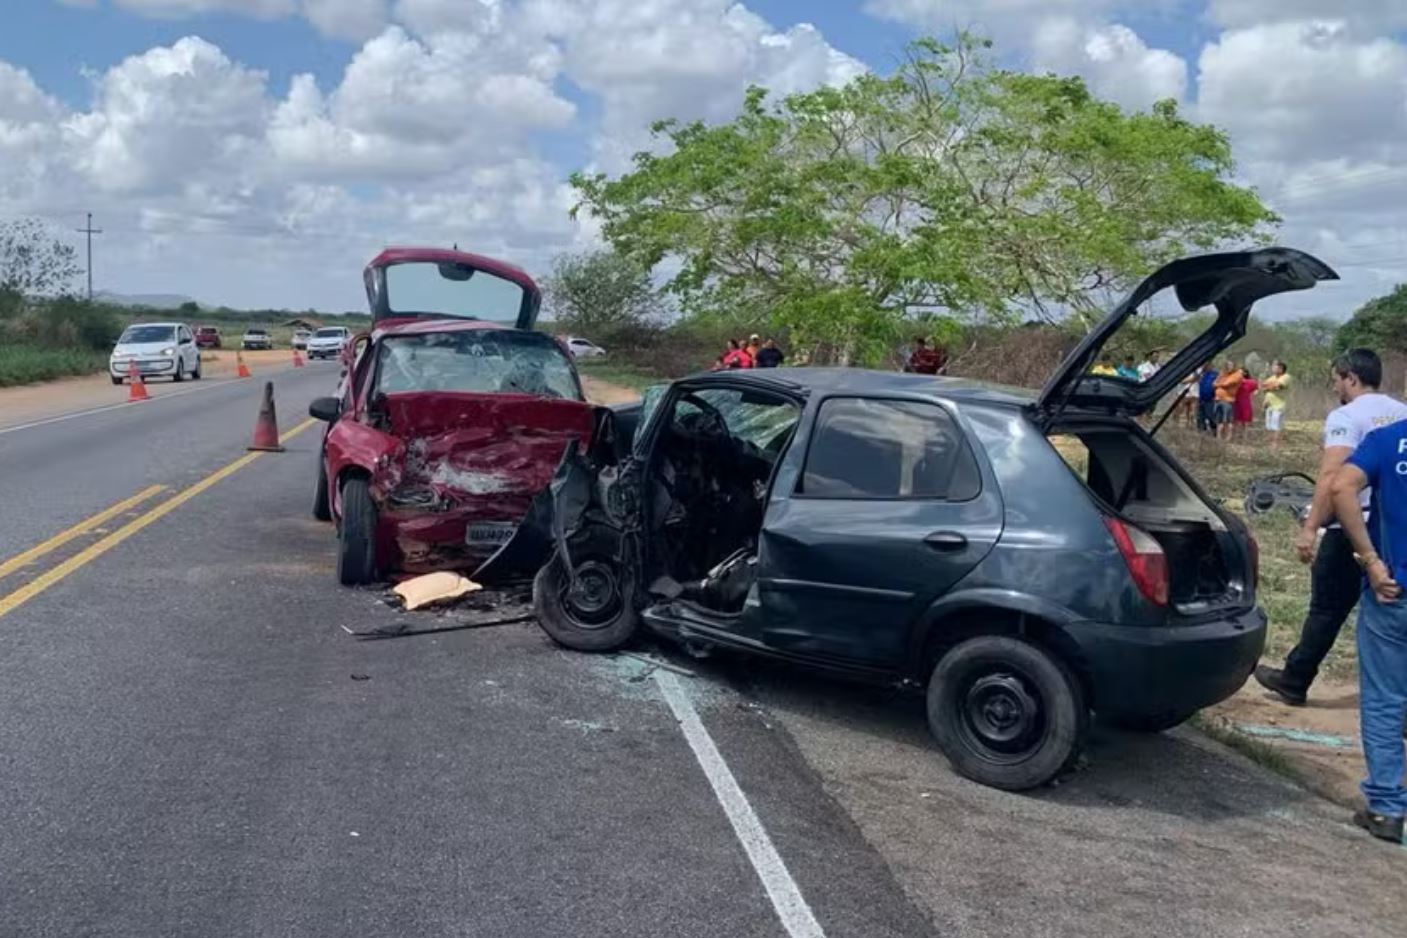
(89, 230)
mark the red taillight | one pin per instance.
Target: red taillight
(1145, 558)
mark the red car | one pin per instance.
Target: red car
(207, 337)
(452, 414)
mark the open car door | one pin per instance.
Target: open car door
(1230, 283)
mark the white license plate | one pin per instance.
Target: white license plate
(489, 533)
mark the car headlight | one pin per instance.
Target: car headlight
(168, 352)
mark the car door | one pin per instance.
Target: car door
(884, 509)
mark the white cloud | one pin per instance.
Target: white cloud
(1117, 64)
(267, 9)
(1366, 14)
(347, 19)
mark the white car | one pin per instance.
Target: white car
(328, 341)
(581, 348)
(255, 337)
(300, 338)
(160, 349)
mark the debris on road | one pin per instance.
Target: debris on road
(1295, 735)
(434, 588)
(656, 663)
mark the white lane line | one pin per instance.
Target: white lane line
(206, 386)
(791, 907)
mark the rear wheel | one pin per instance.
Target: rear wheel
(195, 375)
(322, 507)
(592, 613)
(356, 536)
(179, 376)
(1006, 713)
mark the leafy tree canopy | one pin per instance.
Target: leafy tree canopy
(600, 292)
(1379, 324)
(953, 186)
(32, 261)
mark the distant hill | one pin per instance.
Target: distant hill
(149, 300)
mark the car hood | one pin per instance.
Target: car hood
(1232, 283)
(143, 348)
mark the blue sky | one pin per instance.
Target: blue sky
(255, 159)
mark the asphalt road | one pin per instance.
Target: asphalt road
(192, 744)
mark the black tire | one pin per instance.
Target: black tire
(195, 375)
(178, 377)
(322, 505)
(117, 381)
(1006, 713)
(1156, 723)
(356, 535)
(597, 615)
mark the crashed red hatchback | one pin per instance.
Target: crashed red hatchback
(451, 415)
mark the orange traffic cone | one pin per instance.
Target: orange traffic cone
(137, 391)
(266, 424)
(297, 359)
(243, 370)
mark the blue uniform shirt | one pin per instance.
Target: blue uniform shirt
(1383, 458)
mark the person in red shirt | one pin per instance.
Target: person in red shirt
(926, 359)
(734, 356)
(1242, 413)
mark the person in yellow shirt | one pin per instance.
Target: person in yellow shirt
(1105, 367)
(1276, 387)
(1226, 384)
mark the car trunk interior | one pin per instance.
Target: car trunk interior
(1132, 481)
(708, 485)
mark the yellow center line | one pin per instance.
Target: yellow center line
(48, 578)
(81, 528)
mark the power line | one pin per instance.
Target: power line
(89, 230)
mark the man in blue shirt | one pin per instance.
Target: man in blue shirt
(1380, 461)
(1206, 398)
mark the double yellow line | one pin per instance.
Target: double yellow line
(12, 601)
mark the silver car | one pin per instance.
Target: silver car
(159, 349)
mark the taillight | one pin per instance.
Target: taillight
(1145, 558)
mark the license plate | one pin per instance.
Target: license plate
(489, 533)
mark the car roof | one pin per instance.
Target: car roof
(868, 381)
(169, 325)
(410, 255)
(422, 326)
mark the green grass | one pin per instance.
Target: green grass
(29, 364)
(623, 375)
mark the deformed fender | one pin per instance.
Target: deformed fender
(995, 600)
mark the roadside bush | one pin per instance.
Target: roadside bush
(27, 364)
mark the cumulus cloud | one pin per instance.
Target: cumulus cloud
(1116, 62)
(1364, 14)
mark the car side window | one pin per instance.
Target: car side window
(872, 448)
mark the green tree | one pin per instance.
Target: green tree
(953, 186)
(599, 293)
(32, 261)
(1379, 324)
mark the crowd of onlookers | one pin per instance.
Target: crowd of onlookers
(1220, 401)
(756, 352)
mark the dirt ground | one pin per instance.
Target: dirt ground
(1318, 743)
(39, 401)
(603, 392)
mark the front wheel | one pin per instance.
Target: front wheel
(1006, 713)
(356, 536)
(179, 376)
(322, 507)
(594, 613)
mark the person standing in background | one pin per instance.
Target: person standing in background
(1226, 385)
(1276, 387)
(1150, 366)
(1206, 399)
(1243, 412)
(1380, 462)
(924, 360)
(1334, 576)
(769, 356)
(1128, 369)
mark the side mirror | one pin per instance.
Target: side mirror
(325, 408)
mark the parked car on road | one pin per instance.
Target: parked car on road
(452, 417)
(328, 342)
(160, 349)
(207, 337)
(257, 338)
(582, 348)
(300, 338)
(1025, 558)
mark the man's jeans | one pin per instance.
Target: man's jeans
(1382, 683)
(1206, 415)
(1334, 583)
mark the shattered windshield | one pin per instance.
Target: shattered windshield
(498, 361)
(451, 290)
(757, 419)
(148, 334)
